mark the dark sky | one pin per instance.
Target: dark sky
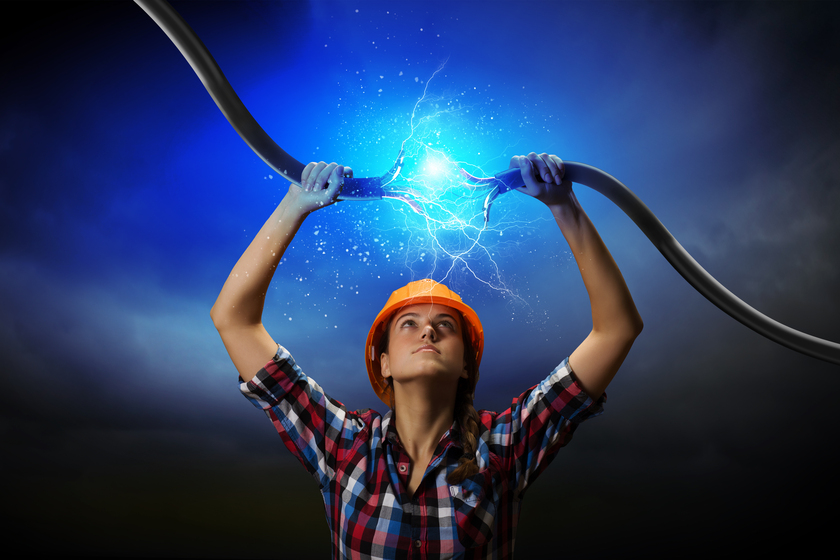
(126, 198)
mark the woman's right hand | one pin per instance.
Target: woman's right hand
(320, 184)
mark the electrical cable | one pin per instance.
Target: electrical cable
(291, 169)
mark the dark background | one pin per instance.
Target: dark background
(125, 199)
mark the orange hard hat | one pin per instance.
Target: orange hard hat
(420, 291)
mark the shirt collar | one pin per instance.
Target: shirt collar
(389, 430)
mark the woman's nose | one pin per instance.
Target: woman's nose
(429, 332)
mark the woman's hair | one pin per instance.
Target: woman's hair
(465, 413)
(467, 418)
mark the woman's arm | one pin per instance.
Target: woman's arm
(615, 321)
(237, 313)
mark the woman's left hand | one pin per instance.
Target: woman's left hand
(543, 176)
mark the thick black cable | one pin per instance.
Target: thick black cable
(244, 123)
(695, 274)
(205, 67)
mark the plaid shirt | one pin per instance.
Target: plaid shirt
(363, 470)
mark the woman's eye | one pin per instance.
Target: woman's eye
(447, 324)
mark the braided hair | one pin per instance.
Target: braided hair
(467, 418)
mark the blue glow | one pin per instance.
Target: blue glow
(448, 236)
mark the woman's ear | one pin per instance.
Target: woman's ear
(386, 365)
(465, 374)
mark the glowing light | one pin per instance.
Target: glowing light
(443, 213)
(433, 167)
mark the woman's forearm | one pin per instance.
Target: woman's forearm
(612, 305)
(242, 298)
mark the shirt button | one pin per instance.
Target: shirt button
(403, 468)
(417, 544)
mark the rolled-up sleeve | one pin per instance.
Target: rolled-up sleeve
(313, 426)
(539, 422)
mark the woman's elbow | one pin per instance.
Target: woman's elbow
(637, 326)
(219, 318)
(629, 330)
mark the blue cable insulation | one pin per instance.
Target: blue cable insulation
(260, 142)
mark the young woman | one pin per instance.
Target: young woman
(432, 478)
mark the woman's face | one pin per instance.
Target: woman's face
(425, 341)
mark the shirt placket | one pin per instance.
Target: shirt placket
(413, 506)
(401, 463)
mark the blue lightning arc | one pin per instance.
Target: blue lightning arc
(438, 192)
(367, 189)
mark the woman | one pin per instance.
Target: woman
(432, 478)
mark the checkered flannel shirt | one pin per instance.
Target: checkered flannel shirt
(363, 471)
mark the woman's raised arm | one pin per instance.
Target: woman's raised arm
(237, 313)
(615, 321)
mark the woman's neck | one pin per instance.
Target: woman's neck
(421, 420)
